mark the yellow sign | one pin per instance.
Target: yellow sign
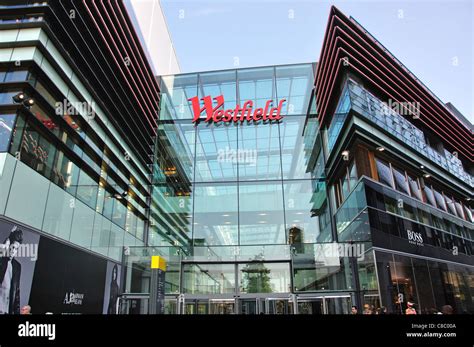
(158, 262)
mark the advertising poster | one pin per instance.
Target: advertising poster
(18, 259)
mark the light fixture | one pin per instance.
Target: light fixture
(262, 214)
(262, 222)
(380, 149)
(170, 171)
(299, 213)
(426, 175)
(29, 102)
(345, 153)
(422, 167)
(468, 199)
(20, 97)
(225, 215)
(120, 196)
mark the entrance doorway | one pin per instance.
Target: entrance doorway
(329, 304)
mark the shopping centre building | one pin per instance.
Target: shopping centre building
(304, 188)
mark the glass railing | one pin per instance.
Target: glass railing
(352, 206)
(372, 108)
(239, 253)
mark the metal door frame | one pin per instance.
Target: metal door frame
(323, 297)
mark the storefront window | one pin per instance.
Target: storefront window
(427, 303)
(406, 282)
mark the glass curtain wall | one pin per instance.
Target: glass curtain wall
(246, 183)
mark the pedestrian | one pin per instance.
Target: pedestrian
(25, 309)
(447, 309)
(354, 309)
(410, 309)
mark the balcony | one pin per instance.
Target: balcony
(378, 113)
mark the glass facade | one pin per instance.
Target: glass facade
(247, 183)
(427, 283)
(246, 207)
(86, 191)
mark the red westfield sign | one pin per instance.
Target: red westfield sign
(238, 114)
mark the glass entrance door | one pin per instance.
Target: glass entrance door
(222, 306)
(249, 306)
(196, 306)
(311, 306)
(277, 306)
(337, 304)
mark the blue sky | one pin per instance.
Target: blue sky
(434, 39)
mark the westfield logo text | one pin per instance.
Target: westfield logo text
(218, 114)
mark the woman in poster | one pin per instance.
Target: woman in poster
(114, 291)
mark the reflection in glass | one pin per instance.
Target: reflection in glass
(219, 83)
(294, 83)
(303, 208)
(401, 183)
(261, 213)
(178, 89)
(209, 278)
(261, 277)
(6, 128)
(440, 200)
(430, 199)
(383, 170)
(217, 153)
(259, 151)
(451, 206)
(176, 146)
(215, 214)
(319, 267)
(294, 151)
(256, 84)
(415, 188)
